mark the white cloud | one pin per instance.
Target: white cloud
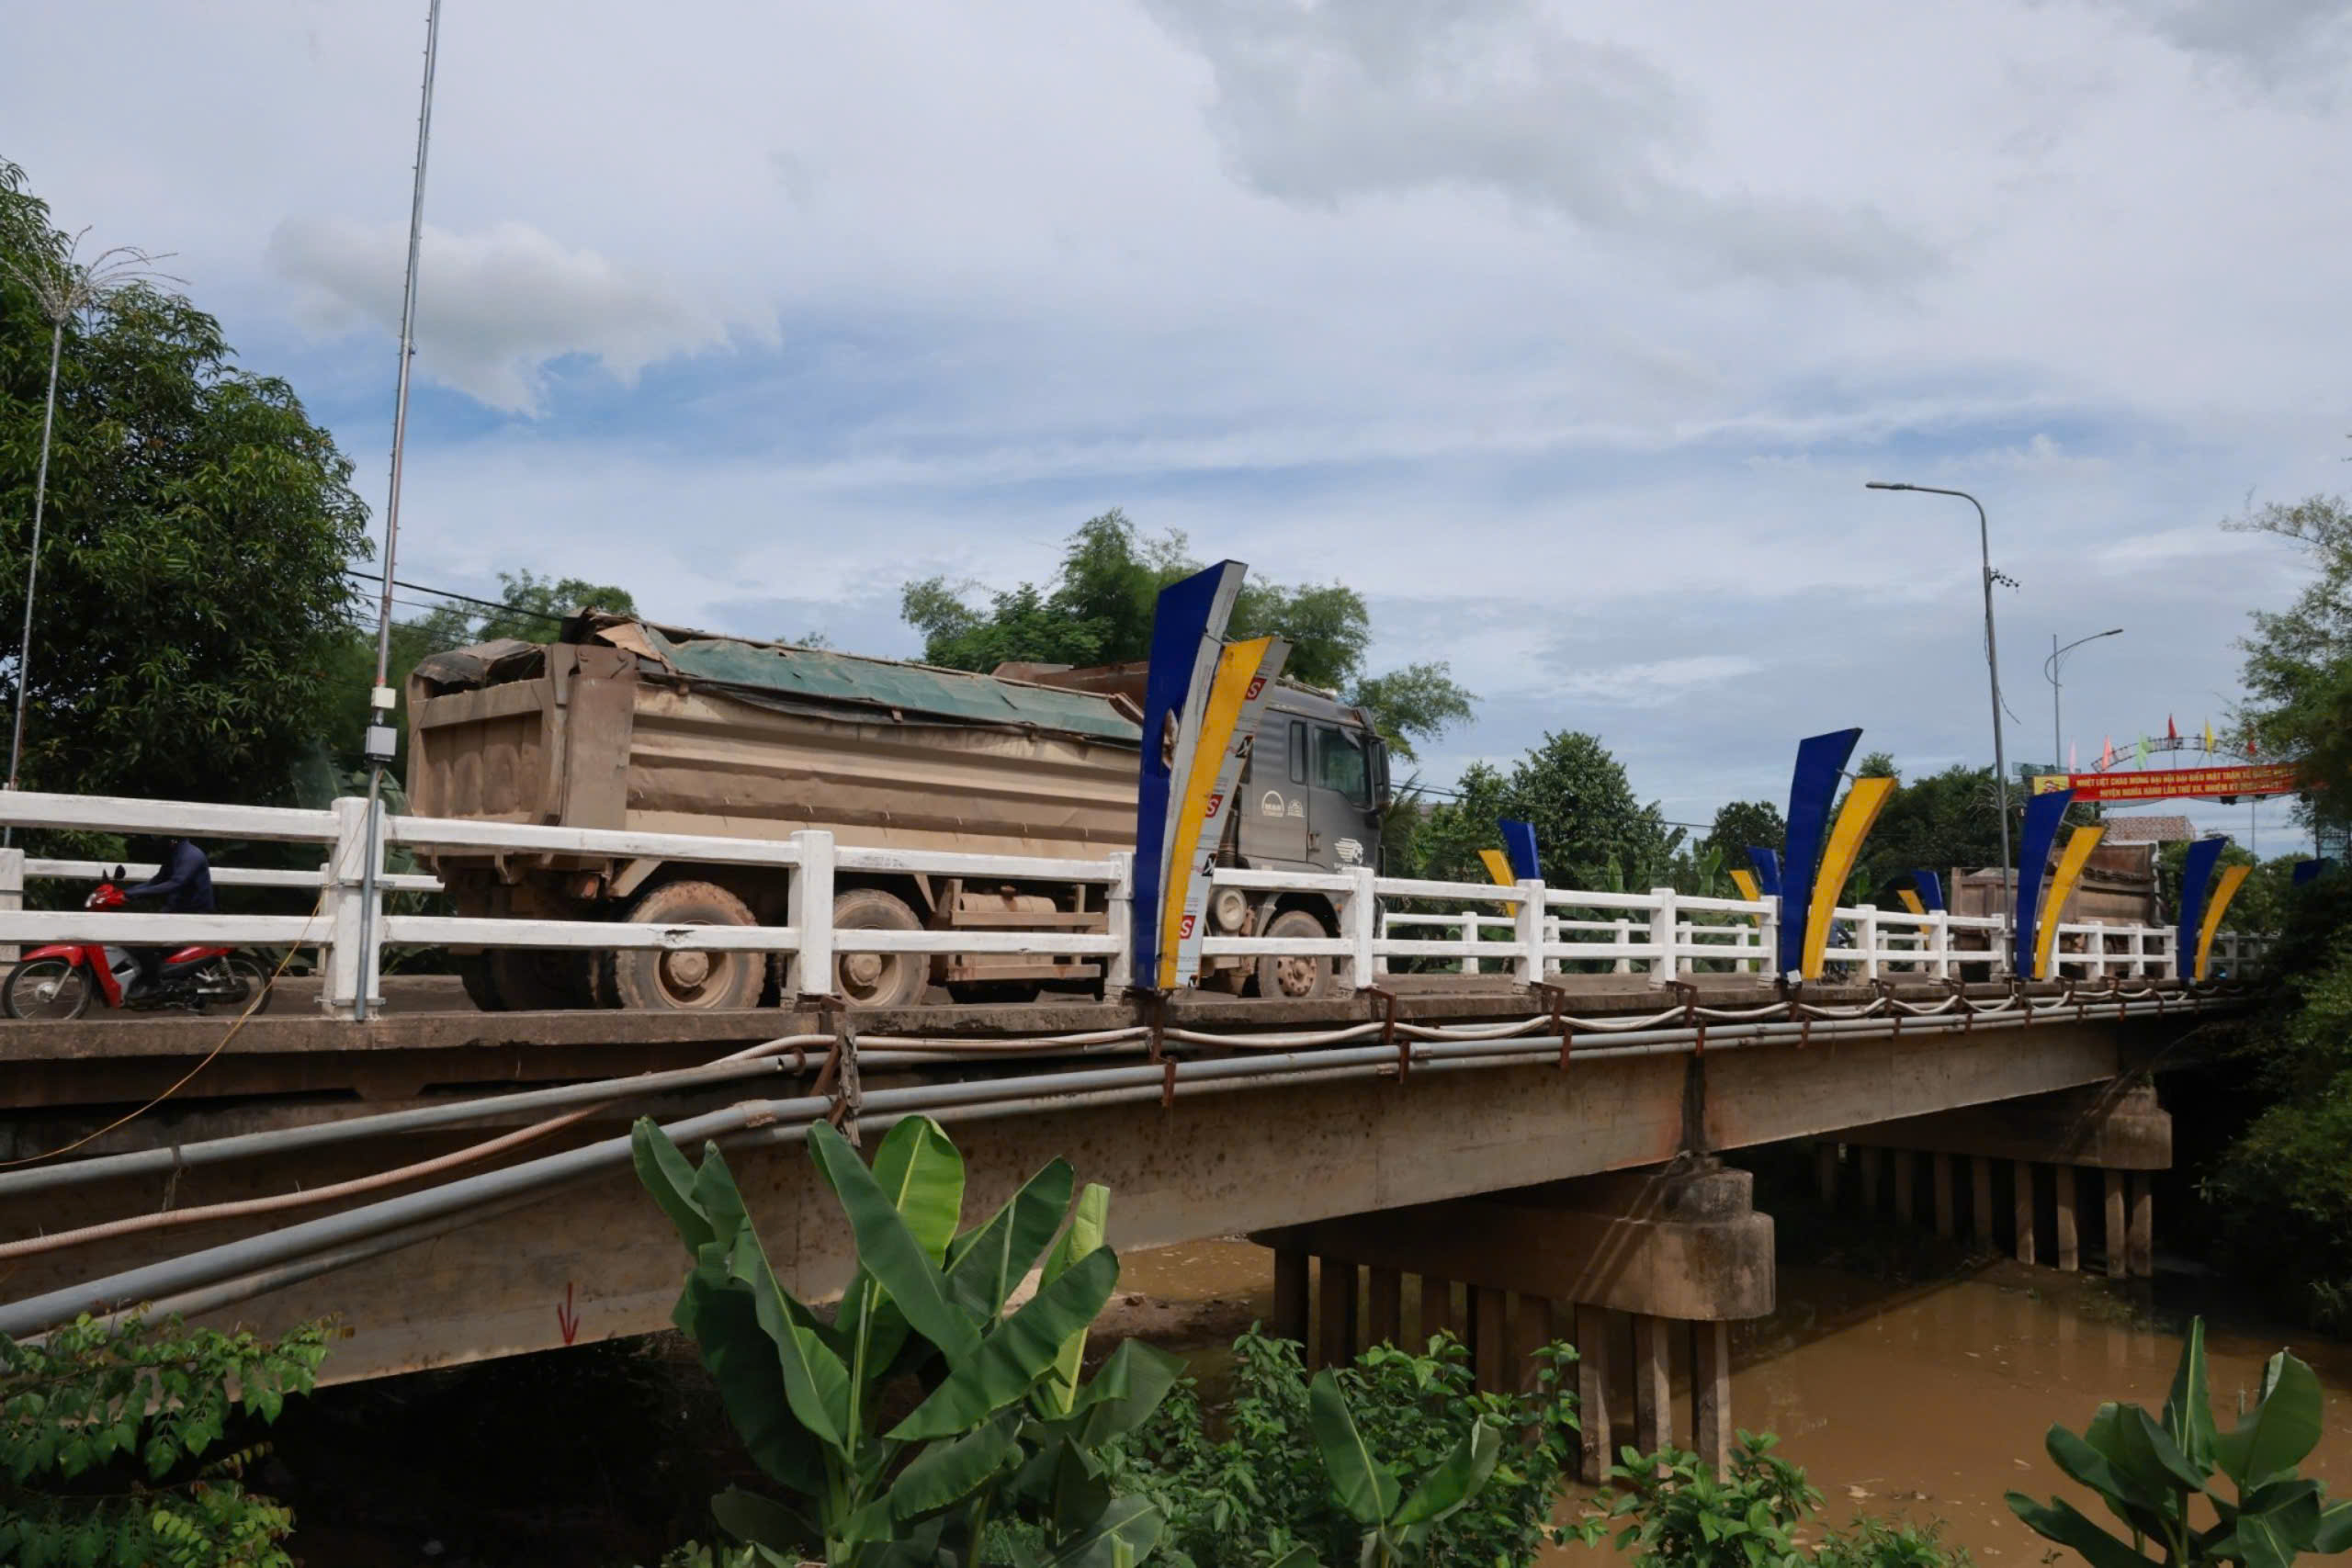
(1654, 683)
(1322, 102)
(496, 306)
(2275, 40)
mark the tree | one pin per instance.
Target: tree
(1947, 820)
(1590, 830)
(1742, 824)
(192, 599)
(2298, 670)
(1098, 608)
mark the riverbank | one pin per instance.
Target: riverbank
(1920, 1388)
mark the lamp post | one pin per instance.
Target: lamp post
(1992, 669)
(2049, 668)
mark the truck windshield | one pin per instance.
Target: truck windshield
(1339, 765)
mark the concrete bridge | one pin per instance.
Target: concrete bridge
(1536, 1151)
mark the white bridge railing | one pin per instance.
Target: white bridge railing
(1529, 930)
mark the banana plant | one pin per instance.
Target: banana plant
(1004, 1428)
(1396, 1525)
(2147, 1470)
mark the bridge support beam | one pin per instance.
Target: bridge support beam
(1679, 1253)
(2113, 1134)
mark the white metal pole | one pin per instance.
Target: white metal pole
(379, 708)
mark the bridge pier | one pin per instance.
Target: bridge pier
(2111, 1135)
(1678, 1253)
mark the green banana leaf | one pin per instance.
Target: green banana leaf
(2273, 1526)
(984, 1265)
(1123, 1534)
(816, 1384)
(1016, 1354)
(2189, 1408)
(1124, 1392)
(890, 1251)
(1458, 1478)
(1365, 1488)
(2280, 1430)
(1084, 1236)
(763, 1521)
(670, 1177)
(2059, 1520)
(2144, 1452)
(1082, 1490)
(944, 1475)
(717, 1313)
(2334, 1531)
(919, 1171)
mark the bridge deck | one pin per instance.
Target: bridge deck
(111, 1059)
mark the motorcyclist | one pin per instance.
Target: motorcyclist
(182, 885)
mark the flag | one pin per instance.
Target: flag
(2249, 748)
(2107, 757)
(2171, 732)
(2141, 751)
(2073, 757)
(2208, 736)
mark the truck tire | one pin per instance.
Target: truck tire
(473, 974)
(875, 980)
(688, 980)
(1294, 979)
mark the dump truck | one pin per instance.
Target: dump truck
(625, 724)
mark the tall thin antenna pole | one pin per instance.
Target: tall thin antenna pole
(381, 706)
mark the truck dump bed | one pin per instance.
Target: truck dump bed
(625, 724)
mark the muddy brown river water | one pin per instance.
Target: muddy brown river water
(1926, 1400)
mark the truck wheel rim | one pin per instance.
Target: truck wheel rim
(1297, 977)
(685, 971)
(863, 971)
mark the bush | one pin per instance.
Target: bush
(108, 1431)
(1260, 1492)
(1670, 1511)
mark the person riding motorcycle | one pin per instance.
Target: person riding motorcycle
(183, 884)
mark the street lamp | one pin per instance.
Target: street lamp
(2049, 668)
(1992, 668)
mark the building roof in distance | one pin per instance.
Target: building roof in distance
(2149, 830)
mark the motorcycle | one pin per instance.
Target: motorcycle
(60, 981)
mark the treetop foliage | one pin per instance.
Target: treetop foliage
(191, 596)
(1098, 610)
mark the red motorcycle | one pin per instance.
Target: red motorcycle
(59, 982)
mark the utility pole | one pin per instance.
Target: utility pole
(383, 742)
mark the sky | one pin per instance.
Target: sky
(1568, 334)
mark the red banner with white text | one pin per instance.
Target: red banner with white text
(2175, 784)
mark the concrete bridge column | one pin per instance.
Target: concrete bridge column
(2069, 1241)
(1679, 1252)
(2115, 1131)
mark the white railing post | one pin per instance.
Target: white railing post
(1551, 939)
(1119, 909)
(350, 967)
(2138, 953)
(1768, 935)
(1470, 965)
(12, 893)
(1528, 929)
(1668, 964)
(1866, 936)
(1624, 939)
(1939, 943)
(808, 909)
(1362, 922)
(2176, 962)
